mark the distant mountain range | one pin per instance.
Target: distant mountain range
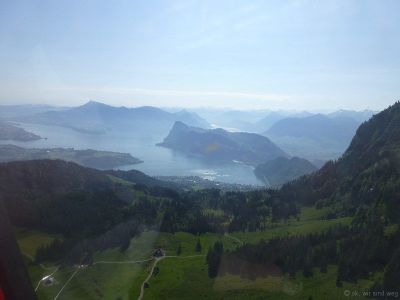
(255, 121)
(360, 116)
(12, 111)
(95, 117)
(316, 127)
(281, 170)
(315, 137)
(259, 121)
(218, 145)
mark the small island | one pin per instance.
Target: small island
(88, 158)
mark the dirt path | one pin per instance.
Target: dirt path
(95, 263)
(72, 276)
(121, 262)
(149, 276)
(154, 266)
(234, 238)
(156, 260)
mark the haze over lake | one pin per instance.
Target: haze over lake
(158, 161)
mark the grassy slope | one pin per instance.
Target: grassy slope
(186, 278)
(309, 222)
(30, 240)
(103, 280)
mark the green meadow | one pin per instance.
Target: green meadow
(119, 275)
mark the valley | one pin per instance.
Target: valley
(220, 155)
(187, 270)
(96, 232)
(157, 161)
(200, 150)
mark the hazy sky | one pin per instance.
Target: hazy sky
(240, 54)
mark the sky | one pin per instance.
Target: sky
(299, 55)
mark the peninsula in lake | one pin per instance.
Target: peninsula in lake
(88, 158)
(9, 131)
(219, 145)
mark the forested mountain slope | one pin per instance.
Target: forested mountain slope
(36, 193)
(281, 170)
(364, 184)
(368, 173)
(219, 145)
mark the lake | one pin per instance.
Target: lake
(158, 161)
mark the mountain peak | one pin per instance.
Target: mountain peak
(179, 125)
(93, 105)
(182, 111)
